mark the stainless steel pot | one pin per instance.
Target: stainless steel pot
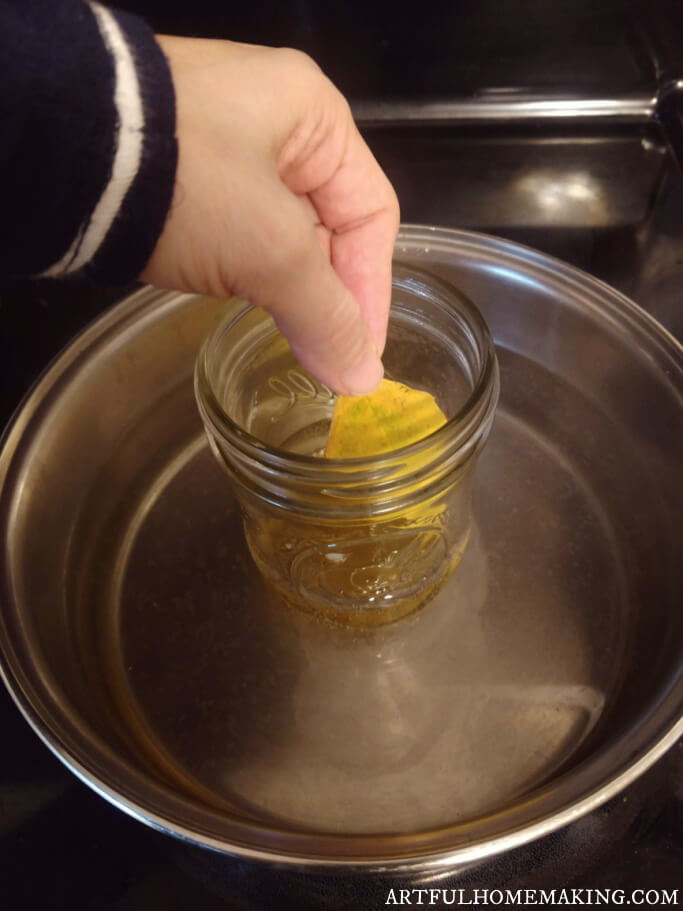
(140, 644)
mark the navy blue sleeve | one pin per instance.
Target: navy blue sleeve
(87, 141)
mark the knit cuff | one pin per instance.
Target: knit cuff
(89, 149)
(117, 239)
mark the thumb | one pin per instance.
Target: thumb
(312, 307)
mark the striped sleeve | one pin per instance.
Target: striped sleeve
(87, 141)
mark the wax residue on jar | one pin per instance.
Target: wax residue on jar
(392, 416)
(295, 412)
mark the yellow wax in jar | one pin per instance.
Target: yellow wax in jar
(392, 416)
(375, 569)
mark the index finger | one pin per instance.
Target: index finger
(359, 207)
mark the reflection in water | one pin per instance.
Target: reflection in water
(445, 715)
(411, 726)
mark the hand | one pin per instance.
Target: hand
(278, 200)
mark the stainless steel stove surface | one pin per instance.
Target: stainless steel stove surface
(591, 180)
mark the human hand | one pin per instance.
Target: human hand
(279, 201)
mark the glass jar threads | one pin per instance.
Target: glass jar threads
(360, 541)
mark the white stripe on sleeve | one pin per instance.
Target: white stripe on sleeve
(127, 156)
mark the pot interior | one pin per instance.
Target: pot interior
(141, 643)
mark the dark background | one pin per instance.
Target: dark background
(451, 48)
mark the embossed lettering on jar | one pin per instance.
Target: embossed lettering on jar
(360, 541)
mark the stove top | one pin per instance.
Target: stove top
(604, 193)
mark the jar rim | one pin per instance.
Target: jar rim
(462, 424)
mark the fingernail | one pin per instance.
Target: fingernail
(365, 376)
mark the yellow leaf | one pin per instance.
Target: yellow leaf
(392, 416)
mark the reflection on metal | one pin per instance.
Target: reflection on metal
(508, 105)
(569, 195)
(669, 112)
(603, 179)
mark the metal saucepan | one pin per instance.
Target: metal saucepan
(138, 641)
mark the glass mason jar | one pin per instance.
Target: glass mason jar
(360, 541)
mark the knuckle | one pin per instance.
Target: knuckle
(298, 61)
